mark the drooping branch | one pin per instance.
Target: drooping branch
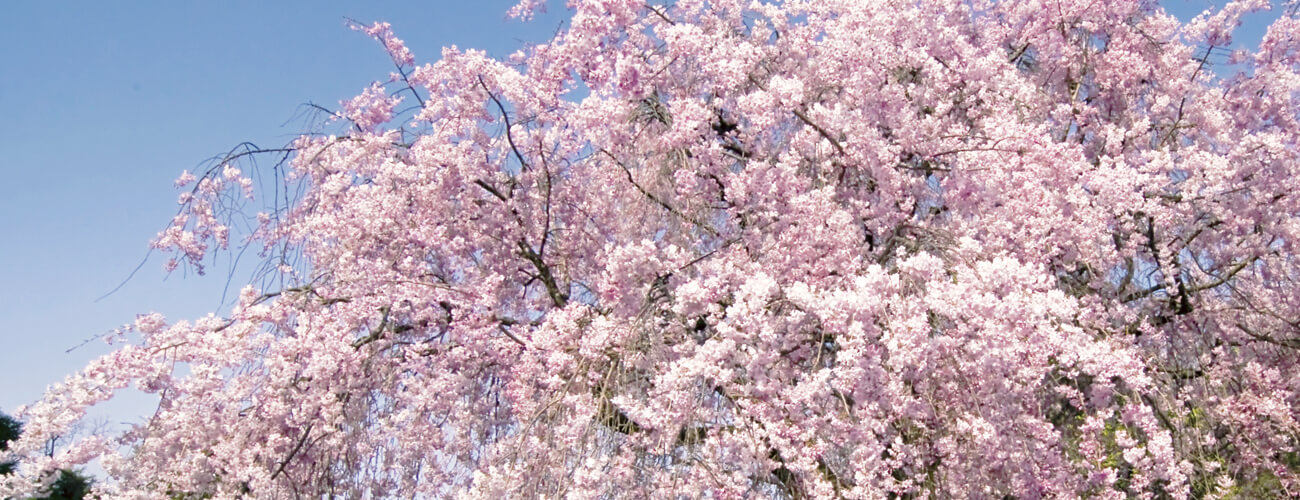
(510, 138)
(658, 201)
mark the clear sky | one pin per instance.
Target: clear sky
(105, 103)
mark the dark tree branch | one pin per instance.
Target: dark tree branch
(296, 448)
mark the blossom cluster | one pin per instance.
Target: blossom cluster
(734, 249)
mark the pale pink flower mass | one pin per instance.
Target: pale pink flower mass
(726, 249)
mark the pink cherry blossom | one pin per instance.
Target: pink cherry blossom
(725, 249)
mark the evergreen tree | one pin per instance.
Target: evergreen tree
(9, 431)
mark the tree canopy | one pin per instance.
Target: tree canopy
(732, 249)
(67, 485)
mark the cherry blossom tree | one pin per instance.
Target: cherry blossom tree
(739, 249)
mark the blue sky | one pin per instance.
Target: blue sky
(105, 103)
